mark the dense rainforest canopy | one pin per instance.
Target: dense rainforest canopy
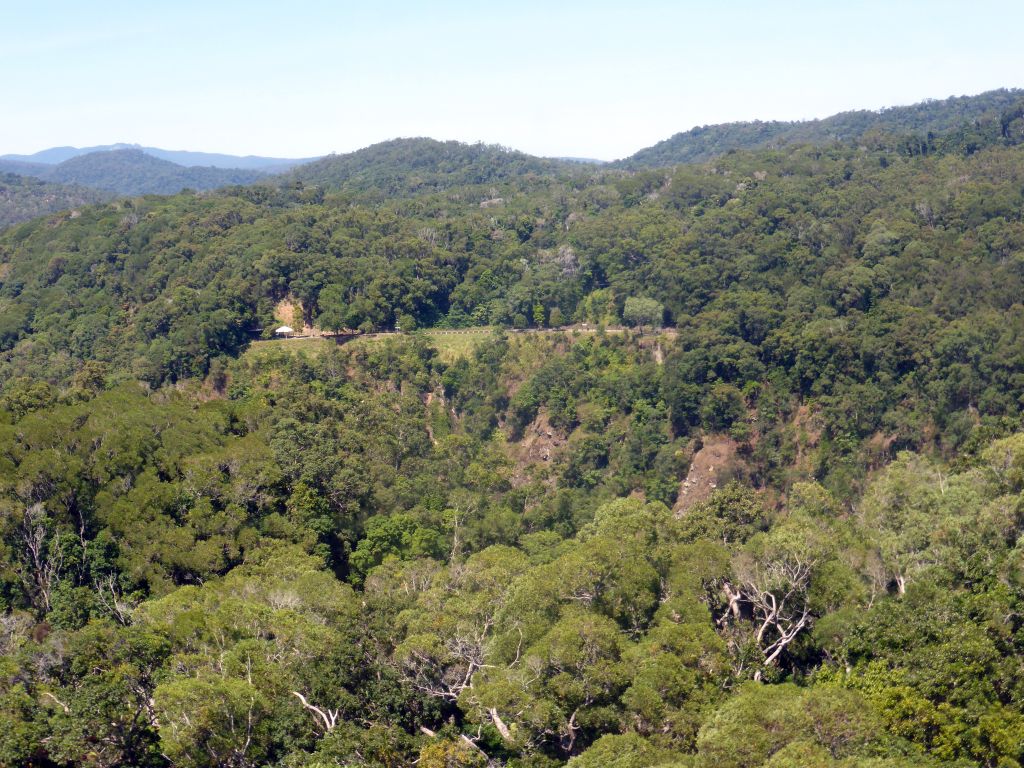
(704, 143)
(772, 521)
(23, 198)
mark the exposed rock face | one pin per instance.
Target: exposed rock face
(539, 446)
(706, 467)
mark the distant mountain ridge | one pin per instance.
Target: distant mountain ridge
(132, 172)
(56, 155)
(411, 165)
(704, 143)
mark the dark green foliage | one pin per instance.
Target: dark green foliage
(23, 198)
(411, 166)
(891, 309)
(924, 120)
(641, 311)
(190, 562)
(384, 552)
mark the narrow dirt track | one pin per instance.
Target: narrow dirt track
(670, 332)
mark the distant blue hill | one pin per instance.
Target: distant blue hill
(133, 172)
(57, 155)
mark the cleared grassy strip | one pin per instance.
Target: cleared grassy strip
(450, 344)
(311, 346)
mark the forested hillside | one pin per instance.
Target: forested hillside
(23, 198)
(56, 155)
(409, 166)
(881, 283)
(736, 479)
(354, 560)
(131, 172)
(704, 143)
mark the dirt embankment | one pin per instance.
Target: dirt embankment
(428, 402)
(539, 446)
(708, 465)
(807, 431)
(289, 312)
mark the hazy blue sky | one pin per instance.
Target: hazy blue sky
(589, 79)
